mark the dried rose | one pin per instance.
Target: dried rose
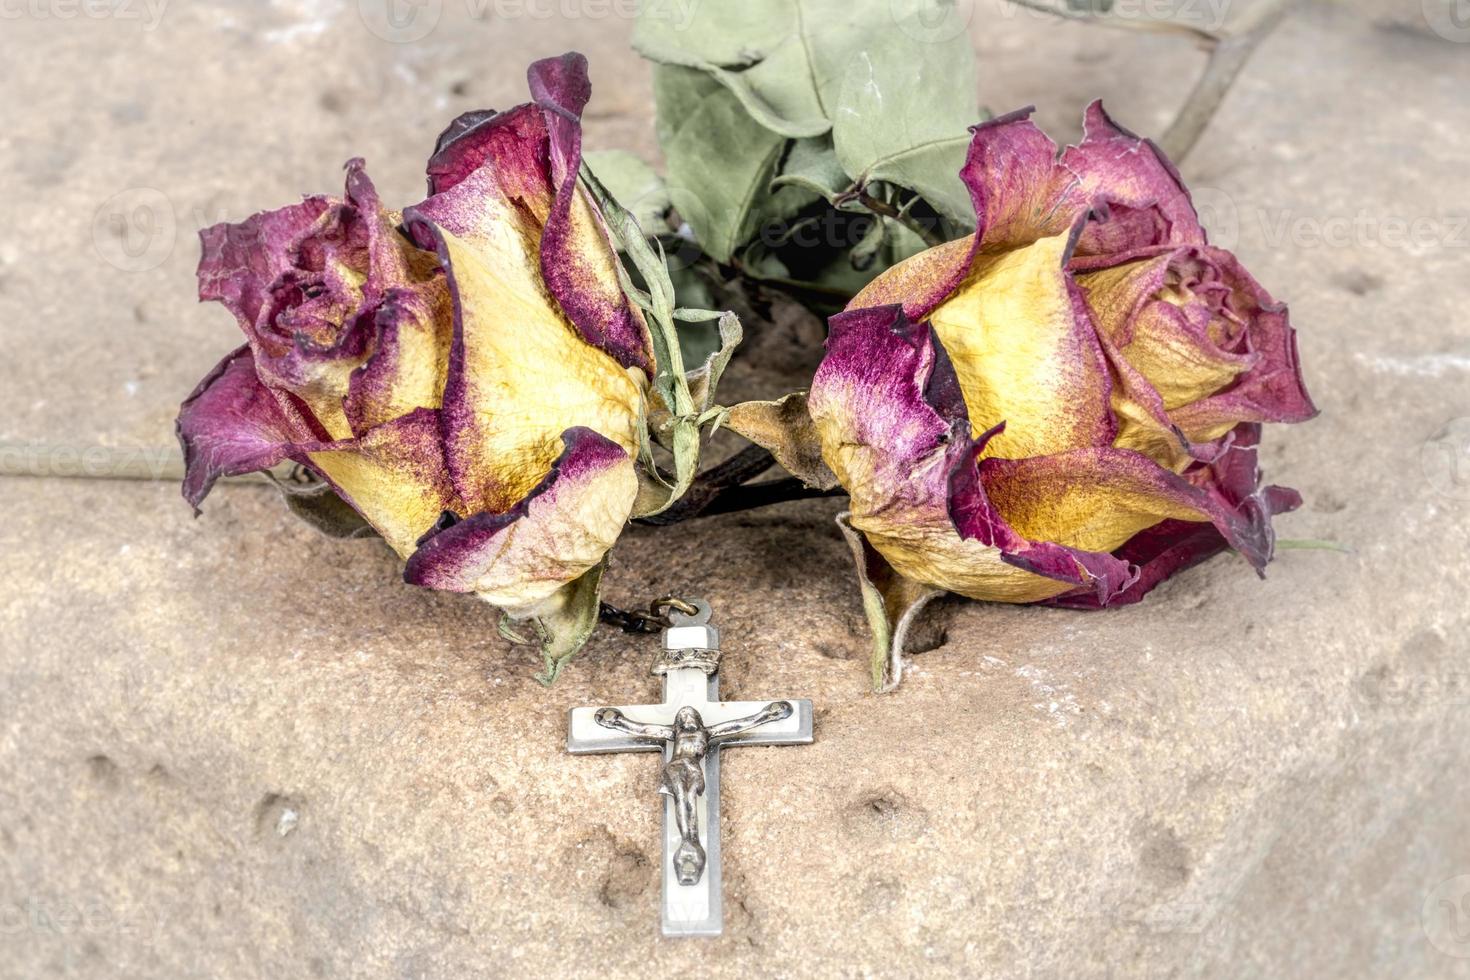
(1064, 406)
(468, 375)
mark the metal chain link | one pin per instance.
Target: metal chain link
(655, 620)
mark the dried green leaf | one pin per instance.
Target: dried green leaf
(634, 184)
(721, 162)
(891, 602)
(569, 618)
(903, 114)
(781, 59)
(704, 379)
(784, 428)
(812, 164)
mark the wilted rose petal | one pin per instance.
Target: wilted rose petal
(1171, 546)
(414, 328)
(520, 557)
(1123, 171)
(510, 393)
(886, 405)
(231, 424)
(393, 475)
(1026, 352)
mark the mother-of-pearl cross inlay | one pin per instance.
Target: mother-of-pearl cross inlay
(690, 727)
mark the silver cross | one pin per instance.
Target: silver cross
(690, 727)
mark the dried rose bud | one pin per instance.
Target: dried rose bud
(468, 375)
(1064, 406)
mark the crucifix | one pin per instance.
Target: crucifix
(689, 727)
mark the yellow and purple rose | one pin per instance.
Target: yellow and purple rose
(468, 375)
(1063, 407)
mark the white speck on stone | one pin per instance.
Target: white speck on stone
(317, 18)
(131, 387)
(287, 821)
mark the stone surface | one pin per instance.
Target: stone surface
(231, 748)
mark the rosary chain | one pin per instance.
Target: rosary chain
(654, 621)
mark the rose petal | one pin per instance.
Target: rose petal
(1158, 343)
(393, 475)
(304, 283)
(1026, 352)
(1096, 499)
(239, 263)
(562, 528)
(1003, 304)
(1119, 168)
(886, 405)
(1273, 389)
(1172, 546)
(507, 183)
(1019, 192)
(518, 378)
(415, 329)
(232, 424)
(1162, 333)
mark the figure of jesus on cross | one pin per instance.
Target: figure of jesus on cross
(683, 774)
(690, 727)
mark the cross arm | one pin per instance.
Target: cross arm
(586, 737)
(794, 729)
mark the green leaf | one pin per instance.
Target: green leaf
(767, 106)
(704, 379)
(891, 603)
(812, 163)
(720, 161)
(781, 59)
(634, 184)
(568, 620)
(903, 114)
(670, 380)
